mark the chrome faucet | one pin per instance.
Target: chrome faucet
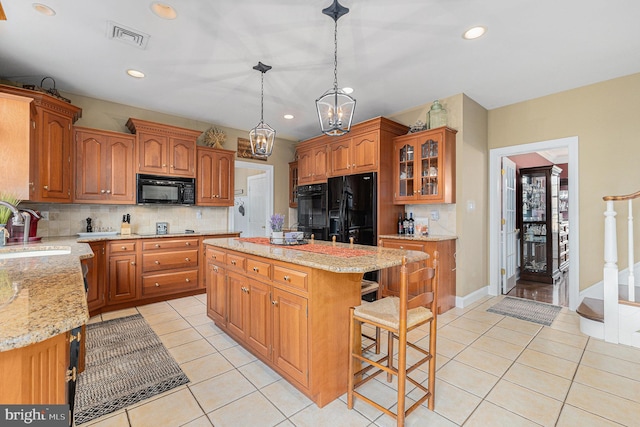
(19, 219)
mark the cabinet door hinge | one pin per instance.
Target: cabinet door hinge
(503, 271)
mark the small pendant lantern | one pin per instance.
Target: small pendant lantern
(262, 136)
(335, 107)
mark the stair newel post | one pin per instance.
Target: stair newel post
(610, 273)
(631, 263)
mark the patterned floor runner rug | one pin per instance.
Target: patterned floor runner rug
(532, 311)
(125, 363)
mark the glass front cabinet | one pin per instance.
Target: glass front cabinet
(539, 223)
(424, 167)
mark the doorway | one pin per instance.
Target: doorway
(496, 236)
(253, 200)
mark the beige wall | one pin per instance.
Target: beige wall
(604, 117)
(106, 115)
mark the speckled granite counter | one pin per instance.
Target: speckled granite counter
(417, 237)
(51, 297)
(377, 259)
(98, 237)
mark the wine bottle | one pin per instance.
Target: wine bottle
(412, 224)
(405, 224)
(400, 226)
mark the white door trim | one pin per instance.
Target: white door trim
(269, 172)
(495, 156)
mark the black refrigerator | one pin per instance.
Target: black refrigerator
(352, 208)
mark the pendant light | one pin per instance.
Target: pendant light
(335, 107)
(262, 136)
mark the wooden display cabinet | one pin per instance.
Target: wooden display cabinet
(104, 167)
(538, 208)
(293, 184)
(425, 167)
(216, 171)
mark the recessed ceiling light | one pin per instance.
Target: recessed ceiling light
(43, 9)
(288, 116)
(163, 10)
(347, 90)
(135, 73)
(474, 33)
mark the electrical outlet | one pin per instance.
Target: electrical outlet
(44, 215)
(435, 215)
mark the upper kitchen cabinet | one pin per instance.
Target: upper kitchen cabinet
(215, 183)
(50, 146)
(104, 167)
(312, 164)
(293, 184)
(163, 149)
(354, 154)
(425, 167)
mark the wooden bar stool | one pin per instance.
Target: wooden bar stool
(369, 287)
(416, 306)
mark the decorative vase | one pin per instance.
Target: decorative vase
(437, 115)
(277, 237)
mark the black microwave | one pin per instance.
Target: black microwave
(165, 190)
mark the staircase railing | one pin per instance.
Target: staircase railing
(611, 286)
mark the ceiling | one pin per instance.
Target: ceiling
(395, 54)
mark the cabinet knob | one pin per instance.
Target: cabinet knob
(256, 269)
(353, 165)
(157, 285)
(188, 243)
(286, 278)
(124, 248)
(172, 167)
(213, 257)
(187, 280)
(348, 166)
(233, 262)
(187, 259)
(274, 303)
(133, 263)
(157, 245)
(46, 187)
(157, 262)
(401, 247)
(164, 165)
(102, 191)
(215, 269)
(108, 191)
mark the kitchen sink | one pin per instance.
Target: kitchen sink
(34, 251)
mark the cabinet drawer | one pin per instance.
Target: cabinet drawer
(262, 269)
(289, 277)
(167, 283)
(406, 245)
(236, 261)
(216, 256)
(157, 244)
(116, 247)
(165, 260)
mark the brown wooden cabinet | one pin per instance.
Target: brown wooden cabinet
(424, 167)
(447, 268)
(123, 271)
(293, 184)
(163, 149)
(169, 266)
(96, 298)
(104, 167)
(216, 171)
(50, 150)
(312, 164)
(354, 154)
(290, 334)
(216, 282)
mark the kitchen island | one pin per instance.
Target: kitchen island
(289, 305)
(43, 299)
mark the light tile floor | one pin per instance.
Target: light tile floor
(492, 371)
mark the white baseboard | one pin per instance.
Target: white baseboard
(467, 300)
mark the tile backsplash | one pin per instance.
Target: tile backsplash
(67, 220)
(445, 225)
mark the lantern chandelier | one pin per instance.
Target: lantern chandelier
(262, 136)
(335, 107)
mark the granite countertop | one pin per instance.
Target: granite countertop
(376, 258)
(98, 237)
(50, 296)
(417, 237)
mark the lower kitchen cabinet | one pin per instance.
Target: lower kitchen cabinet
(216, 280)
(290, 334)
(123, 271)
(96, 268)
(447, 267)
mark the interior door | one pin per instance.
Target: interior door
(508, 234)
(258, 206)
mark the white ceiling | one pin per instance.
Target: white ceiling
(395, 54)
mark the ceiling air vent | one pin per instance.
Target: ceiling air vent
(127, 35)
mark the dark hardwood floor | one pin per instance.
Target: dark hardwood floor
(557, 294)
